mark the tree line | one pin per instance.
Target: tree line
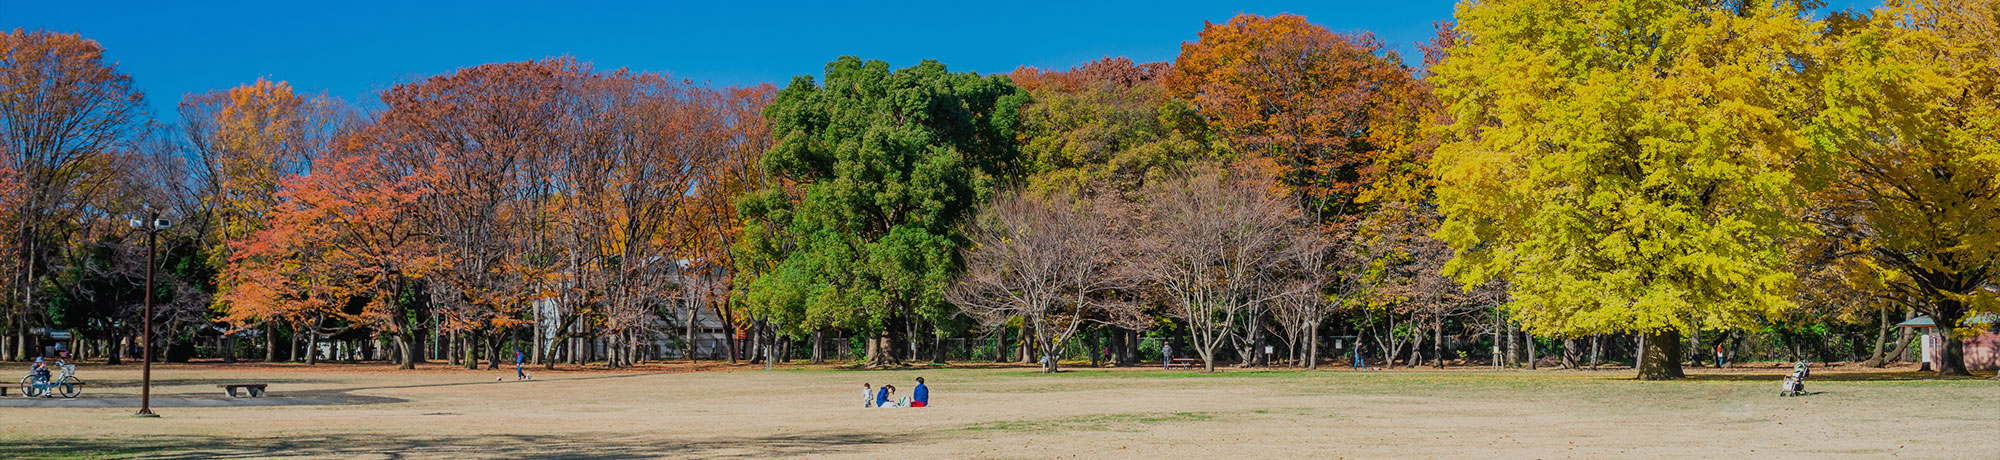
(1545, 178)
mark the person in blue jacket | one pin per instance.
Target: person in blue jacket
(920, 397)
(882, 396)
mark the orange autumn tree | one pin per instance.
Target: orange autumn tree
(246, 140)
(1327, 110)
(1316, 102)
(345, 244)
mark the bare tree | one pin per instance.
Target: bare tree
(1054, 261)
(1322, 273)
(1412, 283)
(1209, 242)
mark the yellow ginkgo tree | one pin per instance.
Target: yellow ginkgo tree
(1911, 123)
(1628, 166)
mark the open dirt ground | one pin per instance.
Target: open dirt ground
(1006, 412)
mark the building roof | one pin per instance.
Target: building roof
(1925, 321)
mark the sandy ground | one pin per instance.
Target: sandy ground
(672, 411)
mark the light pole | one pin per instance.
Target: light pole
(152, 225)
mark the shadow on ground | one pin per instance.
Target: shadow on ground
(586, 446)
(134, 383)
(1832, 377)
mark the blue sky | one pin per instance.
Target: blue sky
(353, 49)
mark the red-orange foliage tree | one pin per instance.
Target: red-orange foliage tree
(346, 244)
(1315, 101)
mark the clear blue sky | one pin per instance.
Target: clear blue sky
(353, 49)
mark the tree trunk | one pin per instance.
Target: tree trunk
(228, 346)
(1312, 349)
(1951, 355)
(493, 352)
(1025, 343)
(1595, 342)
(1437, 343)
(1660, 356)
(471, 346)
(819, 344)
(1569, 355)
(1513, 345)
(729, 329)
(408, 350)
(937, 347)
(1534, 357)
(312, 347)
(1881, 339)
(1416, 344)
(113, 351)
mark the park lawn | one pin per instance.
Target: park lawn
(1012, 412)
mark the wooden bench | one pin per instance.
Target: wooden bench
(256, 389)
(1185, 363)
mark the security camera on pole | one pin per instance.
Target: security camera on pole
(152, 225)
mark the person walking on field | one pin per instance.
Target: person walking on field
(518, 373)
(921, 396)
(1166, 355)
(867, 396)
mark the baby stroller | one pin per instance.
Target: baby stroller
(1795, 384)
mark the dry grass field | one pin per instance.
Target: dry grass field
(1006, 412)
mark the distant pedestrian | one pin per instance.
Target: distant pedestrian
(921, 396)
(1718, 356)
(867, 396)
(1166, 355)
(518, 373)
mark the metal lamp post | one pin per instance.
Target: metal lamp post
(152, 225)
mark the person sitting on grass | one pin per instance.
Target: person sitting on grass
(882, 396)
(920, 397)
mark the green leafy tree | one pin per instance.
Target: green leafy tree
(889, 163)
(1108, 123)
(1627, 165)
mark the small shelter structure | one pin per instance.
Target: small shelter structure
(1982, 350)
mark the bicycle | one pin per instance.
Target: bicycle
(66, 385)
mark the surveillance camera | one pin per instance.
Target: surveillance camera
(136, 223)
(161, 223)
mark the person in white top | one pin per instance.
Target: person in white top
(867, 396)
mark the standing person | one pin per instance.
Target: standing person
(1166, 355)
(867, 396)
(518, 374)
(921, 396)
(1718, 355)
